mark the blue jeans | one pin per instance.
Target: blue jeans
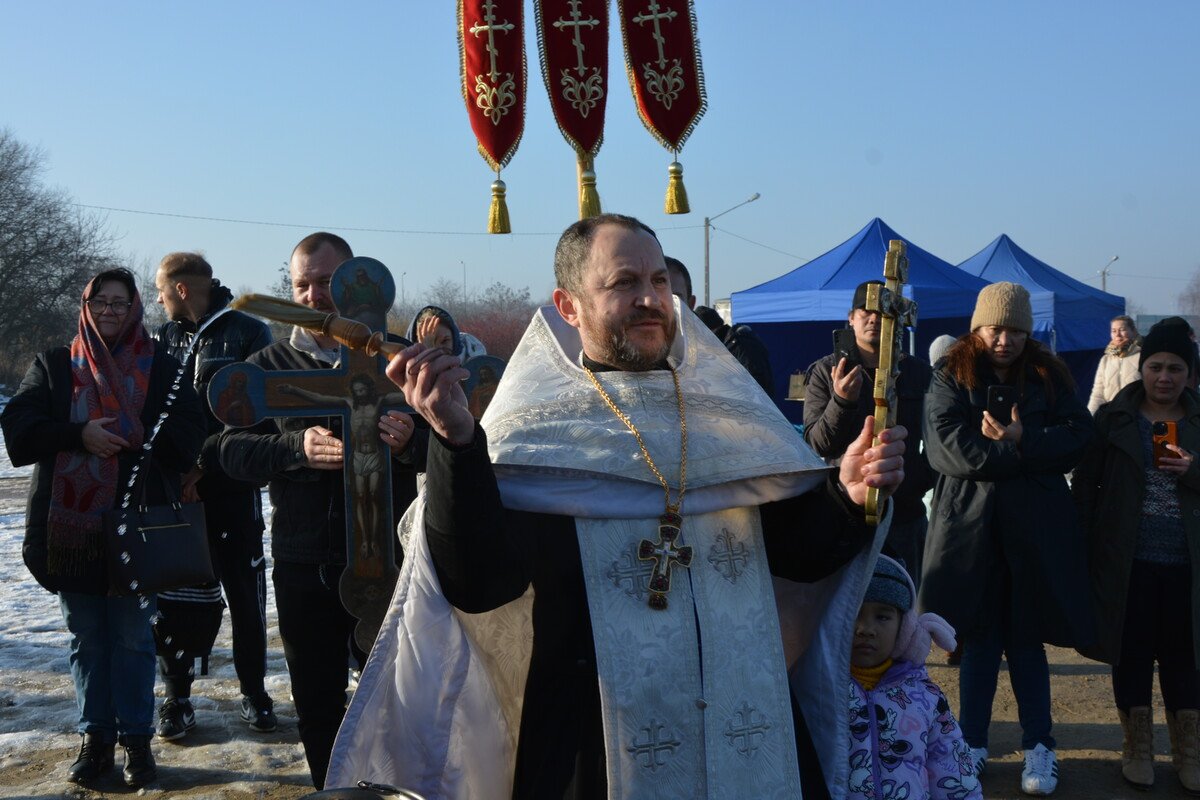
(112, 663)
(1029, 674)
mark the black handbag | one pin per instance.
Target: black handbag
(152, 549)
(155, 548)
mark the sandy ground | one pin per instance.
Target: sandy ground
(222, 759)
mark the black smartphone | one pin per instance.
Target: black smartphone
(1000, 399)
(845, 347)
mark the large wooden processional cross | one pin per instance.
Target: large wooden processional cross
(358, 392)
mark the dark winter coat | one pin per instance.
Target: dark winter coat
(308, 524)
(37, 427)
(1003, 527)
(831, 425)
(1109, 487)
(230, 338)
(750, 351)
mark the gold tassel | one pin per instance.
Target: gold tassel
(677, 202)
(498, 213)
(589, 198)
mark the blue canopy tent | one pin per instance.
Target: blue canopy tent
(795, 313)
(1068, 314)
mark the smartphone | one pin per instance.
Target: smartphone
(1000, 399)
(845, 347)
(1163, 434)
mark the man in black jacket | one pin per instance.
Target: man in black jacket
(838, 397)
(743, 344)
(302, 460)
(197, 310)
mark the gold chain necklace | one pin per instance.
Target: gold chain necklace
(664, 553)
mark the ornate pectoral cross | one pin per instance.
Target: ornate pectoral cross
(665, 555)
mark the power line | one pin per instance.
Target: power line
(333, 227)
(758, 244)
(1151, 277)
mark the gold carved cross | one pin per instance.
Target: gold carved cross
(654, 14)
(489, 18)
(577, 22)
(896, 312)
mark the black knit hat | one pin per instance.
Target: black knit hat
(890, 585)
(1166, 337)
(860, 295)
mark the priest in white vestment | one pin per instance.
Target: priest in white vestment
(588, 603)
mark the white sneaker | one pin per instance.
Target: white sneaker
(1040, 775)
(979, 759)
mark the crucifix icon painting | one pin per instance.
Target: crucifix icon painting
(353, 395)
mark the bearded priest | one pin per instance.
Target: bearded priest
(632, 579)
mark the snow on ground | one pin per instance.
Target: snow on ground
(7, 470)
(221, 758)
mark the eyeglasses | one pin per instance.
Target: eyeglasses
(119, 307)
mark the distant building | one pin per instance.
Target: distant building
(1145, 321)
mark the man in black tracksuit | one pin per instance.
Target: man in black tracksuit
(301, 458)
(197, 306)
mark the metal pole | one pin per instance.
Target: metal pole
(402, 301)
(706, 229)
(1104, 274)
(464, 266)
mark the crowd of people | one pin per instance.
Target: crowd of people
(634, 572)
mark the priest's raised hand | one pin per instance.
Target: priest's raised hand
(432, 383)
(881, 466)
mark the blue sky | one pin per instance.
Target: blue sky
(1073, 127)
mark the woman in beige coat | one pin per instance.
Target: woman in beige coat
(1119, 364)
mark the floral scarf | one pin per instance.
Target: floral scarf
(1120, 351)
(104, 383)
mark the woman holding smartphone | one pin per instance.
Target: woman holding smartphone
(1138, 493)
(1004, 560)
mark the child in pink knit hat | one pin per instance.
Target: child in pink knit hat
(904, 741)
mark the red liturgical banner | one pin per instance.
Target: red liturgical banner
(663, 62)
(492, 42)
(573, 42)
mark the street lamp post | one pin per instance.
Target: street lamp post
(1104, 274)
(708, 229)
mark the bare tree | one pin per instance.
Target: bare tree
(154, 315)
(447, 294)
(48, 251)
(1189, 298)
(499, 318)
(498, 315)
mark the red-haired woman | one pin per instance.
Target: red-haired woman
(1004, 560)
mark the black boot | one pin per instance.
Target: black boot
(95, 758)
(139, 761)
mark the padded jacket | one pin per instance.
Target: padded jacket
(37, 427)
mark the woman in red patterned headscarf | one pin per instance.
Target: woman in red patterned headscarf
(82, 414)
